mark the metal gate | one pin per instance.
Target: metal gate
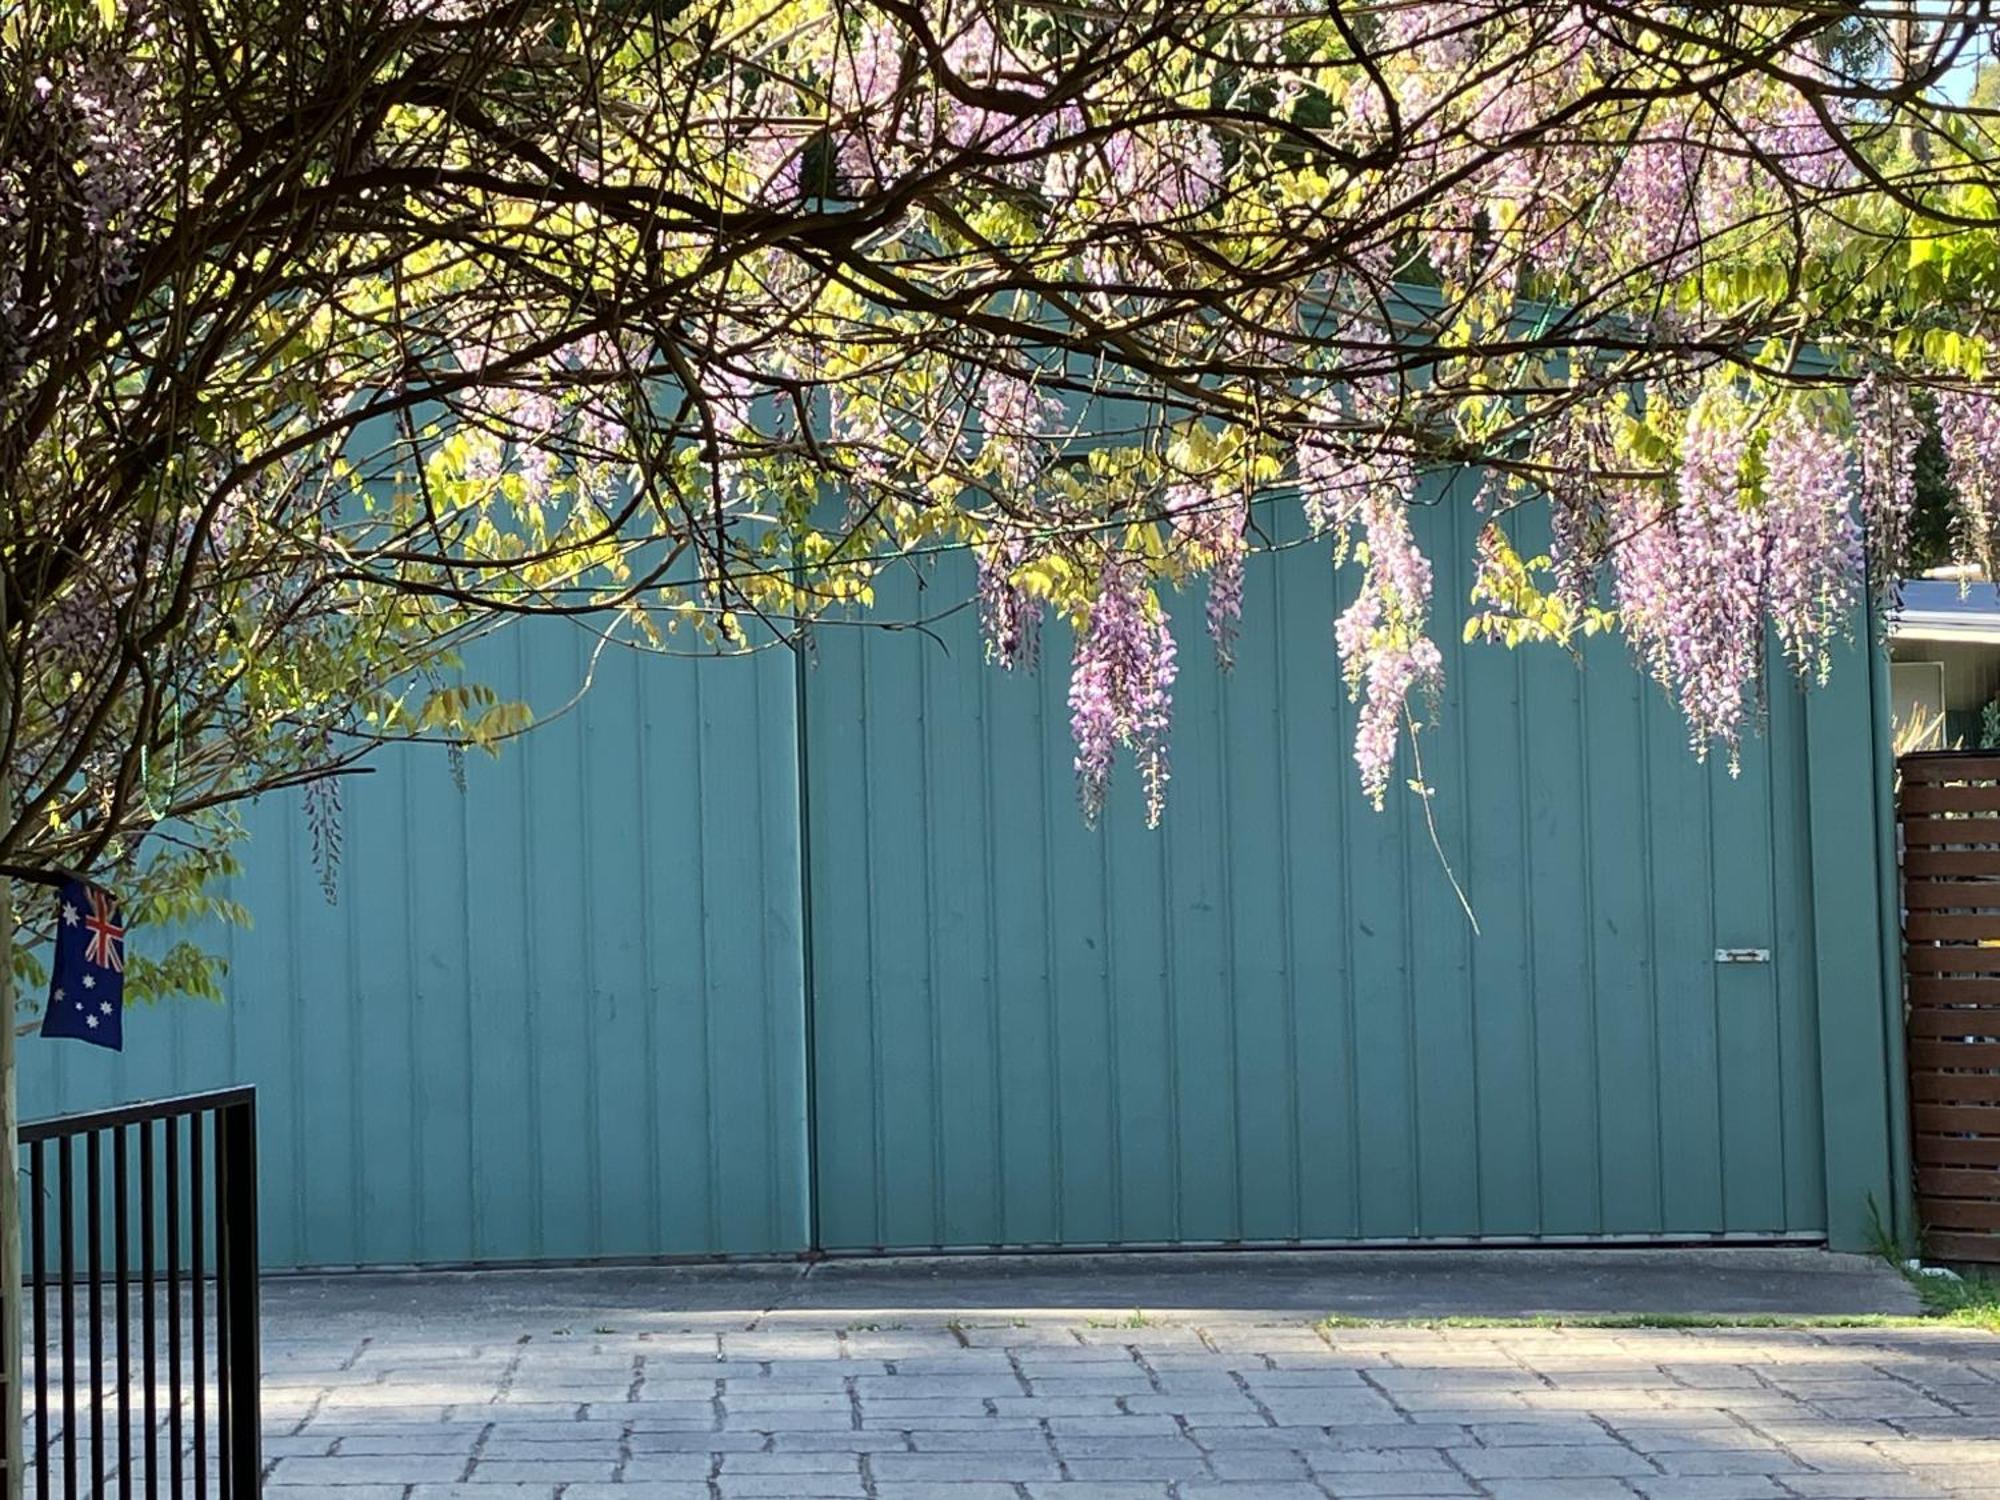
(1270, 1021)
(141, 1246)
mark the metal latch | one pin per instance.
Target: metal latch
(1742, 955)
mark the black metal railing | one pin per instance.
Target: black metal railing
(144, 1352)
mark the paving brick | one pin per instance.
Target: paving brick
(386, 1410)
(1194, 1403)
(661, 1468)
(1196, 1382)
(1556, 1489)
(551, 1471)
(1244, 1416)
(991, 1438)
(931, 1387)
(839, 1442)
(1694, 1461)
(792, 1486)
(594, 1431)
(938, 1467)
(524, 1411)
(790, 1462)
(788, 1401)
(1056, 1406)
(547, 1450)
(411, 1468)
(441, 1441)
(657, 1388)
(1111, 1470)
(1549, 1462)
(1399, 1435)
(1539, 1433)
(884, 1410)
(1294, 1439)
(1710, 1487)
(1272, 1465)
(833, 1419)
(1155, 1425)
(301, 1445)
(1369, 1486)
(1125, 1380)
(702, 1442)
(1874, 1486)
(1147, 1446)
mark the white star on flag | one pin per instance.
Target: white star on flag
(105, 1006)
(69, 915)
(60, 996)
(90, 981)
(91, 1022)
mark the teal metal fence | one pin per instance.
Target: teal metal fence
(553, 1015)
(566, 1012)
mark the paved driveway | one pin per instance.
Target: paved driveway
(1120, 1379)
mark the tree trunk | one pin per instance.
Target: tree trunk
(12, 1282)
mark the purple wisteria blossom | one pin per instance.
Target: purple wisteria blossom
(1384, 651)
(1121, 687)
(1020, 425)
(1210, 528)
(1010, 617)
(1691, 578)
(1812, 541)
(1886, 431)
(1969, 422)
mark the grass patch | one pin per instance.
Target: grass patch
(1967, 1301)
(1970, 1302)
(1138, 1319)
(1338, 1321)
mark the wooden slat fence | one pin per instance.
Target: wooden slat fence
(1948, 808)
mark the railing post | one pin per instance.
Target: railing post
(245, 1457)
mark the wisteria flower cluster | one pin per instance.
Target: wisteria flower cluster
(1121, 686)
(1210, 532)
(1702, 571)
(1385, 653)
(1009, 615)
(1886, 433)
(1969, 422)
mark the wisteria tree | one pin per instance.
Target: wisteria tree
(334, 331)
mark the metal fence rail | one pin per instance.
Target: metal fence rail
(145, 1349)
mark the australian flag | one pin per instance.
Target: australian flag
(87, 990)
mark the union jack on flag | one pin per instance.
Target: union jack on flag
(106, 947)
(87, 985)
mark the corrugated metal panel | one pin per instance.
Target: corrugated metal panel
(560, 1014)
(556, 1014)
(1269, 1020)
